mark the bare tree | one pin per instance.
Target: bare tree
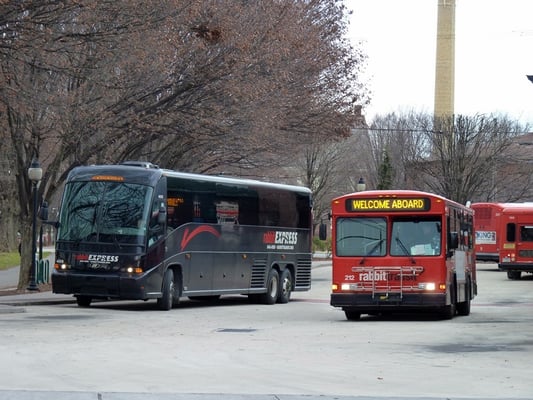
(401, 138)
(473, 154)
(196, 85)
(474, 158)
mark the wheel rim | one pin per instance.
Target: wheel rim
(286, 286)
(273, 287)
(171, 292)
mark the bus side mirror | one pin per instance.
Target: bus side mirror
(162, 216)
(322, 231)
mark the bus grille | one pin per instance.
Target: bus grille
(303, 274)
(385, 280)
(258, 274)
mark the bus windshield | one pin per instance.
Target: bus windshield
(361, 237)
(105, 212)
(414, 237)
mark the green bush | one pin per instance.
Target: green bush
(322, 245)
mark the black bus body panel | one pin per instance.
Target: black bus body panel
(237, 262)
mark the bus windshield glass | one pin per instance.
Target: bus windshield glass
(105, 212)
(361, 237)
(415, 237)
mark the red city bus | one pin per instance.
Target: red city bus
(402, 250)
(516, 252)
(487, 222)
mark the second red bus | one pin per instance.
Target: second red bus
(516, 252)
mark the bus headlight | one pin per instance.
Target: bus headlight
(132, 270)
(349, 286)
(61, 267)
(427, 286)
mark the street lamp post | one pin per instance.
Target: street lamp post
(361, 185)
(35, 173)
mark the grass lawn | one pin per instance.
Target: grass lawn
(8, 260)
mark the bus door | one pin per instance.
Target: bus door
(525, 243)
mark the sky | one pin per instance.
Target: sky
(493, 55)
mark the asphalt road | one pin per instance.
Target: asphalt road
(235, 350)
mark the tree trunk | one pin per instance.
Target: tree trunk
(26, 250)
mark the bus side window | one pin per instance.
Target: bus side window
(511, 229)
(526, 233)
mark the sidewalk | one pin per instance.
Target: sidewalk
(12, 303)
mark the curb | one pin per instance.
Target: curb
(9, 303)
(5, 309)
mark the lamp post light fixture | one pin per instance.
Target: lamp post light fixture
(35, 173)
(361, 185)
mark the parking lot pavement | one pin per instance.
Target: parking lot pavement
(33, 395)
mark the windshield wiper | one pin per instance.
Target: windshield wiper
(356, 237)
(378, 243)
(407, 252)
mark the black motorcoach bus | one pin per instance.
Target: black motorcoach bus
(135, 231)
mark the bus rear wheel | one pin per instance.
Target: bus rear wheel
(285, 286)
(272, 286)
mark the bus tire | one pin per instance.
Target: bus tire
(514, 275)
(463, 308)
(448, 311)
(272, 286)
(352, 315)
(166, 300)
(83, 301)
(285, 286)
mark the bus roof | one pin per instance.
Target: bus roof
(236, 181)
(149, 175)
(518, 208)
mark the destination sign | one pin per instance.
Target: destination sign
(388, 204)
(111, 178)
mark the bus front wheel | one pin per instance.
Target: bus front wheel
(352, 315)
(448, 311)
(83, 301)
(166, 300)
(272, 286)
(463, 308)
(514, 275)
